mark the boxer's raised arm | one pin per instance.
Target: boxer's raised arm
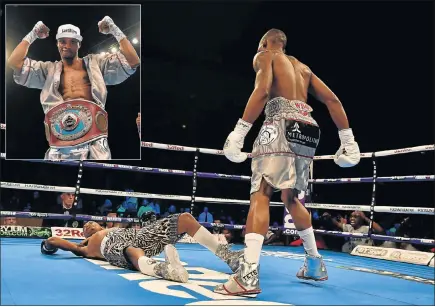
(263, 83)
(16, 60)
(322, 93)
(129, 52)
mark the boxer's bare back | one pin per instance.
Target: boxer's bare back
(291, 78)
(74, 82)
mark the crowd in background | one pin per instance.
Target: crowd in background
(399, 225)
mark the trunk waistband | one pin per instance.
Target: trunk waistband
(75, 122)
(103, 245)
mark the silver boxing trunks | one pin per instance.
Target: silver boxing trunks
(152, 239)
(285, 146)
(95, 150)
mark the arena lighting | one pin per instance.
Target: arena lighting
(103, 53)
(135, 41)
(114, 49)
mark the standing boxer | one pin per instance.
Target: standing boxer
(74, 89)
(282, 154)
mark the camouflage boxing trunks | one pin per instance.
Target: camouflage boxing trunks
(285, 146)
(152, 239)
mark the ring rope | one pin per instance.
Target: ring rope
(49, 188)
(85, 217)
(122, 167)
(382, 153)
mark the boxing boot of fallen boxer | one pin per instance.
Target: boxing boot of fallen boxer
(282, 154)
(134, 248)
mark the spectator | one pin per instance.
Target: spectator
(145, 207)
(171, 210)
(36, 203)
(228, 235)
(217, 229)
(155, 206)
(10, 220)
(14, 203)
(28, 208)
(205, 216)
(67, 207)
(357, 219)
(273, 237)
(105, 208)
(130, 203)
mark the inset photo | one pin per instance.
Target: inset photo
(73, 88)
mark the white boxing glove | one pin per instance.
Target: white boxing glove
(234, 143)
(107, 26)
(40, 30)
(348, 154)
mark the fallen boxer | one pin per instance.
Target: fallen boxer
(74, 90)
(282, 154)
(133, 248)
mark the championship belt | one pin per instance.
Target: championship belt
(75, 122)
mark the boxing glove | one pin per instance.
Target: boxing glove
(234, 143)
(107, 26)
(47, 251)
(40, 31)
(348, 154)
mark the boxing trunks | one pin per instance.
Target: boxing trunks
(77, 129)
(152, 239)
(285, 146)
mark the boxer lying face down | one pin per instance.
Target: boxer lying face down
(133, 248)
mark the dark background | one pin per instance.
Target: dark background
(25, 133)
(197, 71)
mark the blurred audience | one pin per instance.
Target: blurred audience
(205, 216)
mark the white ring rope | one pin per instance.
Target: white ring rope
(382, 153)
(50, 188)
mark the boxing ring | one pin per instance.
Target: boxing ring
(374, 278)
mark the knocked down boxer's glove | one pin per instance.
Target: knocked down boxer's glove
(348, 154)
(47, 251)
(234, 143)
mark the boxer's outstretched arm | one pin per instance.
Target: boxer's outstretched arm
(130, 54)
(16, 60)
(263, 83)
(68, 246)
(322, 93)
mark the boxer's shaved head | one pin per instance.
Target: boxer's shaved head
(274, 38)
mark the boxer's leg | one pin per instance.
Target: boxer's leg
(313, 267)
(172, 269)
(301, 219)
(257, 223)
(188, 224)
